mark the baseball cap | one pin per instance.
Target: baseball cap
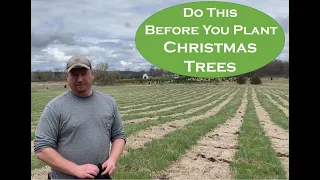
(78, 61)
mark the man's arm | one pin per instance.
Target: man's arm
(45, 143)
(118, 140)
(47, 133)
(116, 149)
(117, 129)
(56, 161)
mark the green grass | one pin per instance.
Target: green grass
(156, 96)
(275, 98)
(160, 154)
(175, 101)
(172, 111)
(36, 163)
(33, 135)
(131, 129)
(276, 114)
(274, 90)
(255, 158)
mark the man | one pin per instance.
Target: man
(75, 129)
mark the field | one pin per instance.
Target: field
(194, 131)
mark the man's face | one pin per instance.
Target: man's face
(80, 80)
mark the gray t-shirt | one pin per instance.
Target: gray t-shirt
(79, 128)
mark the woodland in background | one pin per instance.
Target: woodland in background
(104, 76)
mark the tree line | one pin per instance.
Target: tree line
(104, 76)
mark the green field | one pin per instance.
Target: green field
(198, 131)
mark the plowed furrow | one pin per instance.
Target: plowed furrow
(211, 156)
(157, 132)
(281, 142)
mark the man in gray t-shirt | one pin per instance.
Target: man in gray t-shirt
(76, 128)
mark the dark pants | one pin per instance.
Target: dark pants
(98, 177)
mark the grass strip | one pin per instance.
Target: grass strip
(173, 111)
(154, 97)
(255, 158)
(280, 94)
(275, 98)
(132, 129)
(276, 114)
(160, 154)
(174, 101)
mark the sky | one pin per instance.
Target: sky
(104, 31)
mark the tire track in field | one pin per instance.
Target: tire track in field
(212, 154)
(190, 111)
(181, 105)
(157, 132)
(283, 109)
(285, 102)
(174, 100)
(279, 137)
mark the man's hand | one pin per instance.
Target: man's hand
(110, 166)
(86, 171)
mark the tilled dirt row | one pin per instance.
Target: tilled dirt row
(207, 96)
(176, 94)
(278, 136)
(186, 97)
(277, 91)
(190, 111)
(157, 132)
(283, 109)
(41, 173)
(285, 102)
(212, 154)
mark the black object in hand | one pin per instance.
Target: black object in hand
(99, 176)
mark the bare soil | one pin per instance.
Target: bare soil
(167, 99)
(157, 132)
(212, 154)
(41, 173)
(285, 102)
(278, 136)
(173, 107)
(190, 111)
(42, 84)
(277, 91)
(283, 109)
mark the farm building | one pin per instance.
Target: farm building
(146, 76)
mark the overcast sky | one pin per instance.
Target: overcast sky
(104, 30)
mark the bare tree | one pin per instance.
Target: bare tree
(57, 74)
(101, 73)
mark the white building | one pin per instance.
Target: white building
(146, 76)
